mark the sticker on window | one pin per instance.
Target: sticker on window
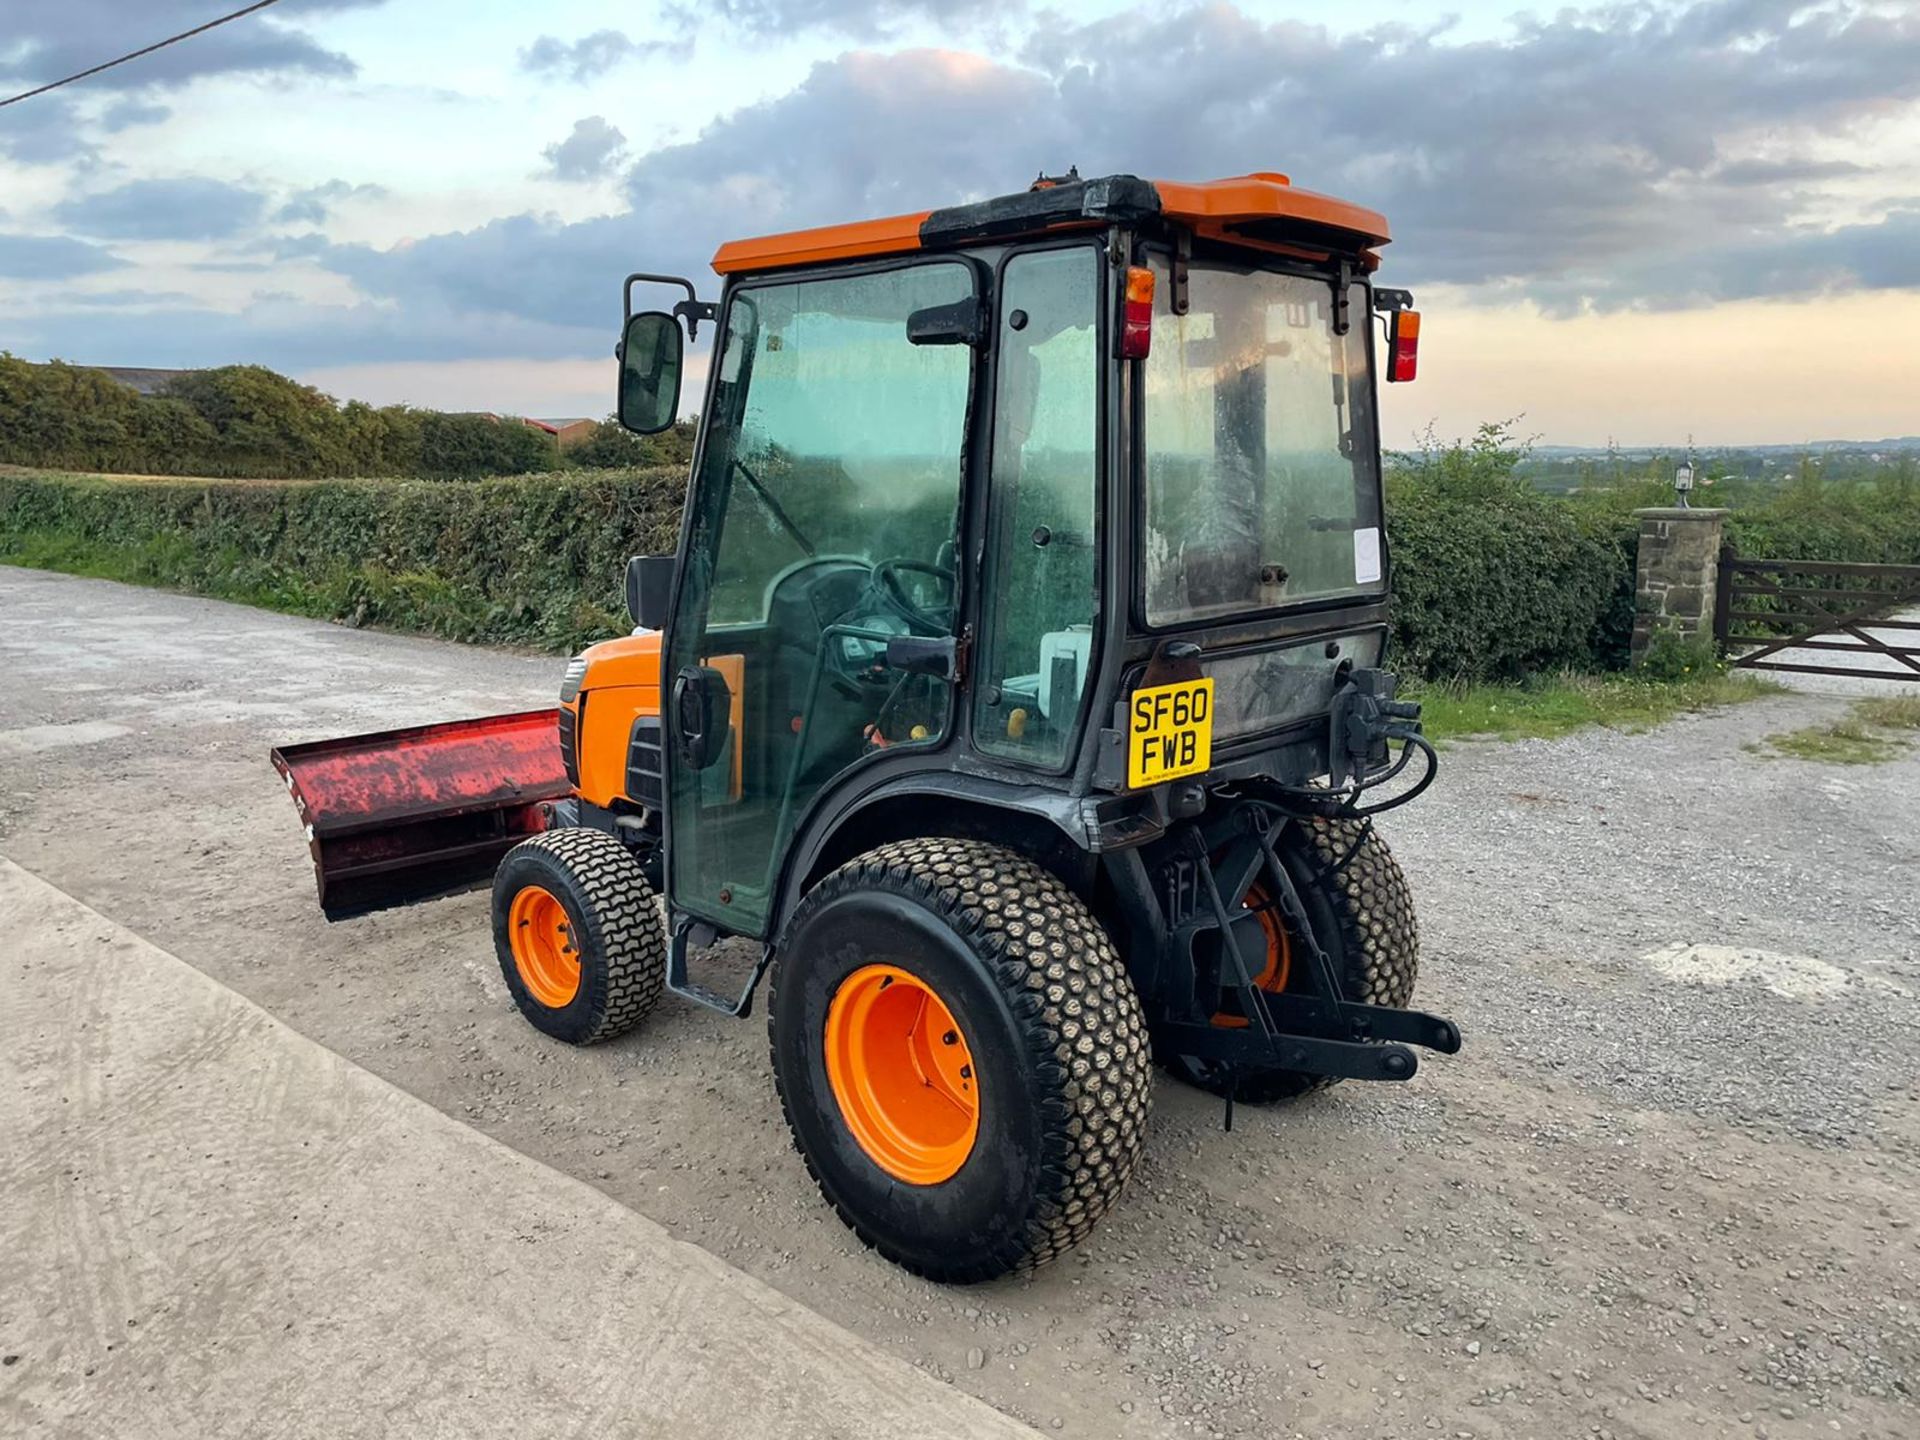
(1366, 555)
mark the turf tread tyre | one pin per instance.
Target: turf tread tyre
(617, 926)
(1375, 939)
(1082, 1033)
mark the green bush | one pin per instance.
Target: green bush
(1672, 655)
(244, 421)
(1813, 518)
(611, 444)
(1493, 580)
(531, 560)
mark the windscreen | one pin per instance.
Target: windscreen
(1262, 454)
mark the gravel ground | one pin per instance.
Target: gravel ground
(1669, 1188)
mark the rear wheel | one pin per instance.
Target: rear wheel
(1362, 915)
(578, 934)
(961, 1057)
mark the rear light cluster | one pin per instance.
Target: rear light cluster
(1403, 345)
(1136, 314)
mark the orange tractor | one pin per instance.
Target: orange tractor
(1016, 689)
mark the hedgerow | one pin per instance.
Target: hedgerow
(246, 420)
(1493, 580)
(535, 560)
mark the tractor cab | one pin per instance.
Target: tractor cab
(968, 480)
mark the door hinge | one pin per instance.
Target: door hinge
(1342, 304)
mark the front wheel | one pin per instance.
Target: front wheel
(579, 935)
(961, 1057)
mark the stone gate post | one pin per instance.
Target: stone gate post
(1676, 572)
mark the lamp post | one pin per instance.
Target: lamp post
(1683, 483)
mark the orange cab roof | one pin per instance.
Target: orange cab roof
(1264, 208)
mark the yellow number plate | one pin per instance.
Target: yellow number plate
(1170, 733)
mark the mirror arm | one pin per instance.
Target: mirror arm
(692, 310)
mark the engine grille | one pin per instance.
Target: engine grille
(646, 763)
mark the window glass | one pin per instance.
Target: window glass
(1042, 586)
(1262, 478)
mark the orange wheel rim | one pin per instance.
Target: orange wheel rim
(1278, 968)
(545, 952)
(903, 1074)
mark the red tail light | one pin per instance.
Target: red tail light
(1136, 314)
(1403, 344)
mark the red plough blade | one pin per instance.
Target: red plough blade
(405, 814)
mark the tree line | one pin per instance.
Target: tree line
(248, 421)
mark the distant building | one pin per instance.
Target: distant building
(558, 429)
(569, 431)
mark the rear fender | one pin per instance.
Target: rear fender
(1045, 825)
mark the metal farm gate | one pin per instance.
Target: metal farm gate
(1767, 607)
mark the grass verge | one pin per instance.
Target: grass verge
(1556, 705)
(1869, 734)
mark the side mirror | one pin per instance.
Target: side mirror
(650, 353)
(649, 588)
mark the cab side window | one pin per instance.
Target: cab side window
(1041, 595)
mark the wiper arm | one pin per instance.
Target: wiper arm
(786, 522)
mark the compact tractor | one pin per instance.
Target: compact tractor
(1015, 688)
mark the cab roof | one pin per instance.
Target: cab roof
(1264, 209)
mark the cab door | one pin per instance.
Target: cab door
(825, 523)
(1041, 599)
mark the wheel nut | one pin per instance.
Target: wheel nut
(952, 1037)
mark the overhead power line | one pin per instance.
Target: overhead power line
(160, 45)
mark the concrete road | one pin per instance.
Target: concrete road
(213, 1226)
(1668, 1189)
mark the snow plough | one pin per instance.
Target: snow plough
(1015, 693)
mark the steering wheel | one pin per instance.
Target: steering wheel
(886, 581)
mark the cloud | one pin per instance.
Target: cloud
(1570, 163)
(583, 59)
(292, 336)
(123, 299)
(1546, 160)
(48, 39)
(591, 151)
(861, 19)
(46, 131)
(1595, 159)
(312, 205)
(863, 135)
(52, 257)
(1883, 255)
(126, 113)
(187, 208)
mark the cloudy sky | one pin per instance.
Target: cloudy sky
(1635, 221)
